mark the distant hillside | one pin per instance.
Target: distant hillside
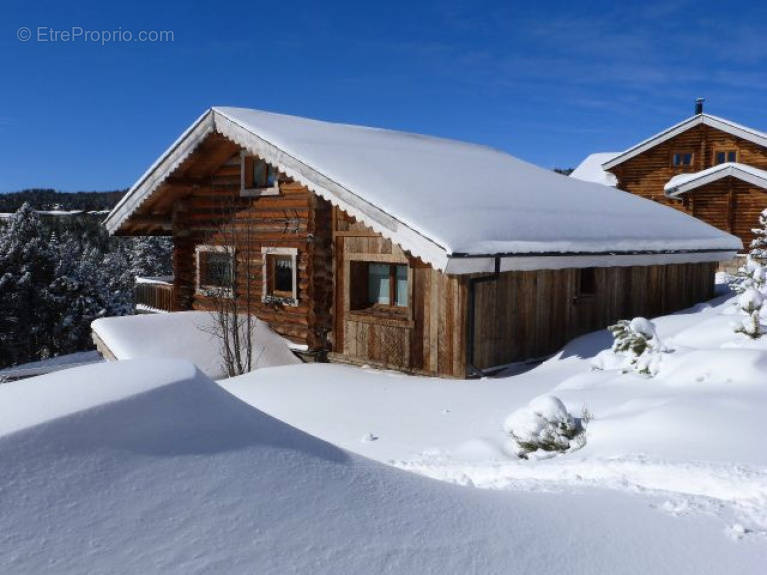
(53, 200)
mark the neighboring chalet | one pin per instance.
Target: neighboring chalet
(705, 166)
(406, 251)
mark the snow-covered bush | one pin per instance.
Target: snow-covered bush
(750, 303)
(636, 347)
(544, 424)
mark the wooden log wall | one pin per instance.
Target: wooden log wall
(647, 173)
(523, 315)
(731, 205)
(215, 214)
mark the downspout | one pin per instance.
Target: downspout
(473, 371)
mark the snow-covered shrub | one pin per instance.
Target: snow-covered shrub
(750, 303)
(544, 424)
(636, 347)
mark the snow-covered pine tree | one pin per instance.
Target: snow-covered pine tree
(751, 282)
(150, 256)
(26, 271)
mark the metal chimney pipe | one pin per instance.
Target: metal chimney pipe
(699, 106)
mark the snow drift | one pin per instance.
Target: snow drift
(150, 467)
(186, 335)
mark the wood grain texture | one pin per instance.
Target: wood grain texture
(728, 204)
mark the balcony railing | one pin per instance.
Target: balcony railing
(154, 295)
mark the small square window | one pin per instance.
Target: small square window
(682, 159)
(280, 275)
(215, 270)
(378, 285)
(722, 156)
(258, 177)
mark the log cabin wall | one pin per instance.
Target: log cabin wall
(216, 214)
(647, 173)
(729, 204)
(523, 315)
(429, 337)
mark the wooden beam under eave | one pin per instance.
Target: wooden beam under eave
(157, 221)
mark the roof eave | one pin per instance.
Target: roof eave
(176, 153)
(712, 121)
(215, 120)
(462, 264)
(727, 170)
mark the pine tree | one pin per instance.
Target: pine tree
(26, 272)
(751, 282)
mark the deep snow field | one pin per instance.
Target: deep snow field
(149, 466)
(690, 436)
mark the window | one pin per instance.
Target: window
(722, 156)
(682, 159)
(587, 282)
(258, 177)
(378, 286)
(279, 273)
(215, 270)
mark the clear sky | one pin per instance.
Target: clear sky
(548, 82)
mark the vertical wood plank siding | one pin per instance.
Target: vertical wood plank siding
(530, 314)
(432, 339)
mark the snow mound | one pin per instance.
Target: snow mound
(544, 424)
(154, 468)
(186, 335)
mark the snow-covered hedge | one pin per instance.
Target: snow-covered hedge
(637, 347)
(544, 424)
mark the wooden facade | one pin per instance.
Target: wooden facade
(215, 214)
(529, 314)
(729, 204)
(451, 325)
(429, 337)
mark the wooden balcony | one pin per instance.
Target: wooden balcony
(154, 295)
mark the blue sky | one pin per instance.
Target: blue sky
(548, 82)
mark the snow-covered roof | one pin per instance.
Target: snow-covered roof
(686, 182)
(591, 170)
(726, 126)
(188, 335)
(455, 205)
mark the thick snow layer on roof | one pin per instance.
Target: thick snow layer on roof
(590, 169)
(147, 466)
(474, 199)
(186, 335)
(684, 182)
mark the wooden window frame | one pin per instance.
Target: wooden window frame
(267, 275)
(726, 151)
(377, 310)
(206, 289)
(689, 166)
(246, 170)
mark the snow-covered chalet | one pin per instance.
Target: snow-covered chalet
(706, 166)
(406, 251)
